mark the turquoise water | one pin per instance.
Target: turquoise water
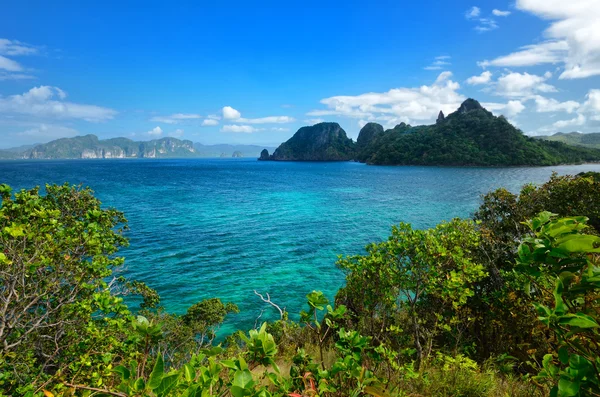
(224, 228)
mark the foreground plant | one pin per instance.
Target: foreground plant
(561, 263)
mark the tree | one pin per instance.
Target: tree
(56, 252)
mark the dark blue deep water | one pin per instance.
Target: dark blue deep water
(223, 228)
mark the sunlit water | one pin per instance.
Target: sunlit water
(224, 228)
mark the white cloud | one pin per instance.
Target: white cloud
(15, 76)
(486, 24)
(500, 13)
(209, 122)
(247, 129)
(175, 118)
(530, 55)
(420, 104)
(483, 24)
(314, 121)
(230, 113)
(546, 105)
(439, 63)
(16, 48)
(10, 65)
(213, 117)
(510, 109)
(575, 122)
(268, 120)
(40, 102)
(522, 85)
(156, 131)
(592, 103)
(473, 12)
(483, 78)
(514, 107)
(573, 38)
(280, 129)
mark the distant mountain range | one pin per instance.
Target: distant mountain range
(471, 136)
(90, 147)
(591, 140)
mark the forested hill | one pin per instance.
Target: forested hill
(470, 136)
(591, 140)
(90, 147)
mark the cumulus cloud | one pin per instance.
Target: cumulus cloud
(230, 113)
(246, 129)
(156, 131)
(546, 105)
(209, 122)
(47, 101)
(574, 122)
(522, 84)
(314, 121)
(500, 13)
(573, 38)
(175, 118)
(510, 109)
(419, 104)
(483, 78)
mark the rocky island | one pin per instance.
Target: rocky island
(320, 142)
(470, 136)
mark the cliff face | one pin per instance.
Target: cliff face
(90, 147)
(320, 142)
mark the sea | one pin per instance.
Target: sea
(203, 228)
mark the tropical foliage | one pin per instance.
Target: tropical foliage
(503, 304)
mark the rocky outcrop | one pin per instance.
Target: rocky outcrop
(320, 142)
(440, 117)
(367, 133)
(469, 105)
(264, 155)
(237, 154)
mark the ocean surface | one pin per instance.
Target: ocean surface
(223, 228)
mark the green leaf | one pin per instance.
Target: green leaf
(242, 379)
(157, 373)
(579, 320)
(122, 371)
(563, 355)
(567, 388)
(189, 372)
(167, 383)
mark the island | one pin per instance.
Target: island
(470, 136)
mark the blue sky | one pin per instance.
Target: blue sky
(254, 72)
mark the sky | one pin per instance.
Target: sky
(254, 72)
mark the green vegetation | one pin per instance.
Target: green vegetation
(504, 304)
(591, 140)
(90, 147)
(321, 142)
(469, 136)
